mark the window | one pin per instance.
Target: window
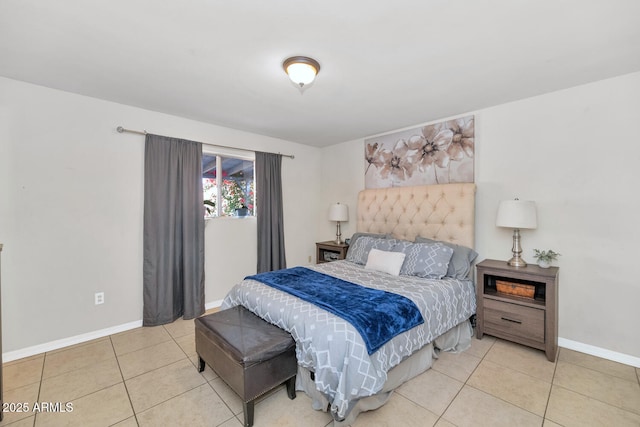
(228, 185)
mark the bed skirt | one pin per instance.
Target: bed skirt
(456, 339)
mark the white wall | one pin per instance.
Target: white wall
(71, 212)
(343, 177)
(71, 205)
(576, 153)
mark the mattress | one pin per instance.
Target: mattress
(329, 346)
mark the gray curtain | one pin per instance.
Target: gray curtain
(173, 272)
(271, 254)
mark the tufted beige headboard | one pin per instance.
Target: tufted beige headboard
(442, 212)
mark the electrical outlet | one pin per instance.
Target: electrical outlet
(309, 259)
(99, 298)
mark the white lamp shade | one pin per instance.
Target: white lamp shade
(339, 212)
(517, 214)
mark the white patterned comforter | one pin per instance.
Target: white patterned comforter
(334, 350)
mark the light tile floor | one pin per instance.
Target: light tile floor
(148, 377)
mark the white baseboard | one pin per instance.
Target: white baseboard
(78, 339)
(600, 352)
(213, 304)
(65, 342)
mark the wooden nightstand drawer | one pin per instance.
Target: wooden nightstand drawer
(514, 320)
(526, 319)
(330, 251)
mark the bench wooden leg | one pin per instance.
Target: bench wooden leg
(291, 387)
(200, 364)
(247, 408)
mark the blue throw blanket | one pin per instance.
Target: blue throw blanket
(377, 315)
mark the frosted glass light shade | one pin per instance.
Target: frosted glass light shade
(517, 214)
(301, 73)
(339, 212)
(301, 70)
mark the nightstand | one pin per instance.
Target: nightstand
(330, 251)
(518, 304)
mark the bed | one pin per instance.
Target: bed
(337, 367)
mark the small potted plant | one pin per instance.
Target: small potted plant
(545, 257)
(243, 210)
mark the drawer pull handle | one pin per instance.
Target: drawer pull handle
(511, 320)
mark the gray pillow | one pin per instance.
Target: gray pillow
(428, 260)
(359, 251)
(357, 235)
(460, 264)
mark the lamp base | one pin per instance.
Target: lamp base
(516, 261)
(338, 233)
(516, 250)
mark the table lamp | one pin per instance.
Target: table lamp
(517, 214)
(338, 212)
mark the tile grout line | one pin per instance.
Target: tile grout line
(42, 379)
(124, 383)
(565, 388)
(164, 366)
(135, 413)
(47, 355)
(499, 398)
(555, 368)
(596, 400)
(165, 401)
(597, 371)
(441, 417)
(171, 339)
(555, 363)
(455, 379)
(592, 397)
(44, 360)
(233, 415)
(221, 399)
(133, 351)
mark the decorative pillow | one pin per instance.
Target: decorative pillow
(429, 260)
(354, 238)
(386, 262)
(359, 251)
(460, 264)
(357, 235)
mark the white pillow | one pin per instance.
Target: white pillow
(386, 262)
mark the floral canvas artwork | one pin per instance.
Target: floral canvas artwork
(440, 153)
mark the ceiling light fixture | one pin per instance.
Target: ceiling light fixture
(302, 70)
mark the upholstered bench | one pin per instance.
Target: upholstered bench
(249, 354)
